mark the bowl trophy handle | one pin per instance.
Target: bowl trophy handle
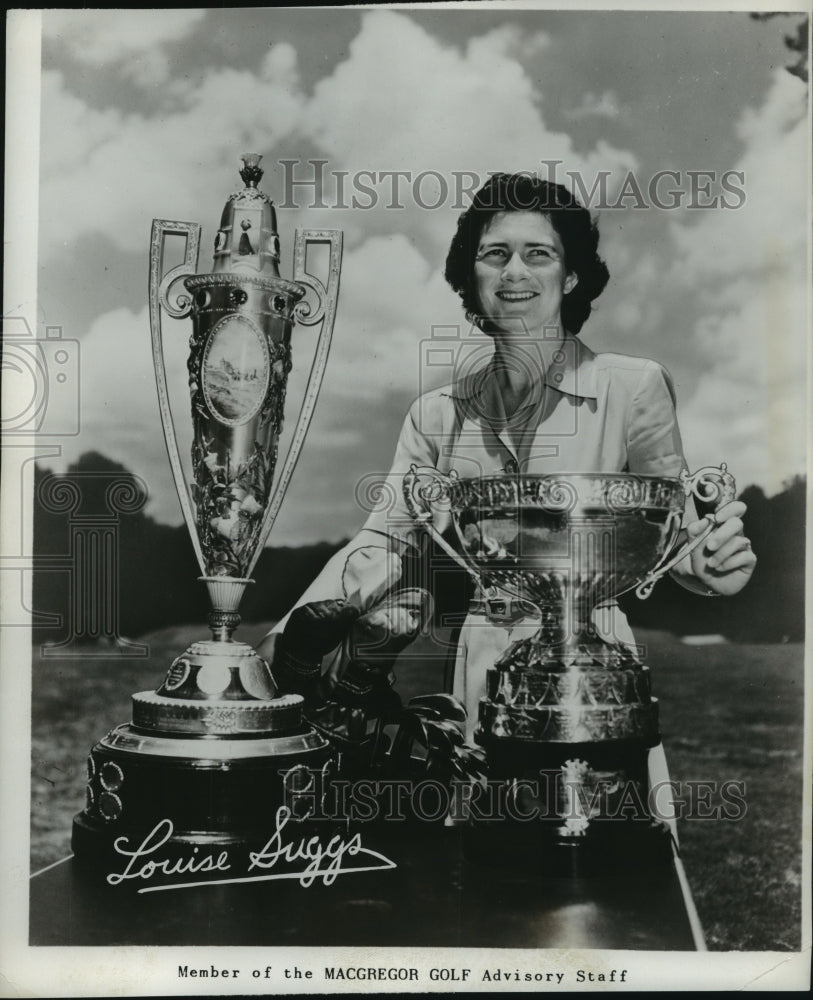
(712, 484)
(419, 496)
(500, 606)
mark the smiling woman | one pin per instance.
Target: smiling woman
(553, 235)
(524, 261)
(520, 272)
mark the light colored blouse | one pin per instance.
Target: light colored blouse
(590, 413)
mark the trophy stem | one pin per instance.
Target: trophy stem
(566, 637)
(225, 594)
(223, 624)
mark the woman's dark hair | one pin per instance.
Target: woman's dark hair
(577, 231)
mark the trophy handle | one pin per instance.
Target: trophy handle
(164, 291)
(711, 483)
(418, 496)
(418, 499)
(304, 313)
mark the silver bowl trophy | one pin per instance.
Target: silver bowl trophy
(568, 718)
(208, 749)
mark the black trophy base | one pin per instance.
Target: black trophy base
(567, 809)
(627, 760)
(181, 802)
(608, 847)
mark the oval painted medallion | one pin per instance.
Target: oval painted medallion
(235, 371)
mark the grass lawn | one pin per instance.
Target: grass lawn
(728, 713)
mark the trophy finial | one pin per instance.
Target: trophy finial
(251, 171)
(247, 241)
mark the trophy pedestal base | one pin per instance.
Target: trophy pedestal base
(174, 798)
(567, 809)
(601, 763)
(539, 848)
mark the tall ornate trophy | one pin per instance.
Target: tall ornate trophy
(568, 717)
(207, 750)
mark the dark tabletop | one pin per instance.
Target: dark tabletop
(432, 898)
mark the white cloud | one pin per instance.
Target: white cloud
(532, 44)
(769, 229)
(389, 301)
(281, 66)
(749, 267)
(71, 131)
(131, 40)
(110, 174)
(604, 105)
(401, 100)
(749, 407)
(442, 108)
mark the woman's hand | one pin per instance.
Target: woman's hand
(724, 562)
(376, 639)
(379, 636)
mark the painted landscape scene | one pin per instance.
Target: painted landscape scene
(235, 371)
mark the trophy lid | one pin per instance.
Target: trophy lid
(247, 241)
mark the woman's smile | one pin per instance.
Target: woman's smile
(511, 296)
(520, 272)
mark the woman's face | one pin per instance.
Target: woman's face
(520, 272)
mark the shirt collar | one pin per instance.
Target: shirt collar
(570, 369)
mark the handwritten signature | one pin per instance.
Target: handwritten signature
(320, 862)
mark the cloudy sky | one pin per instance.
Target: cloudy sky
(145, 115)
